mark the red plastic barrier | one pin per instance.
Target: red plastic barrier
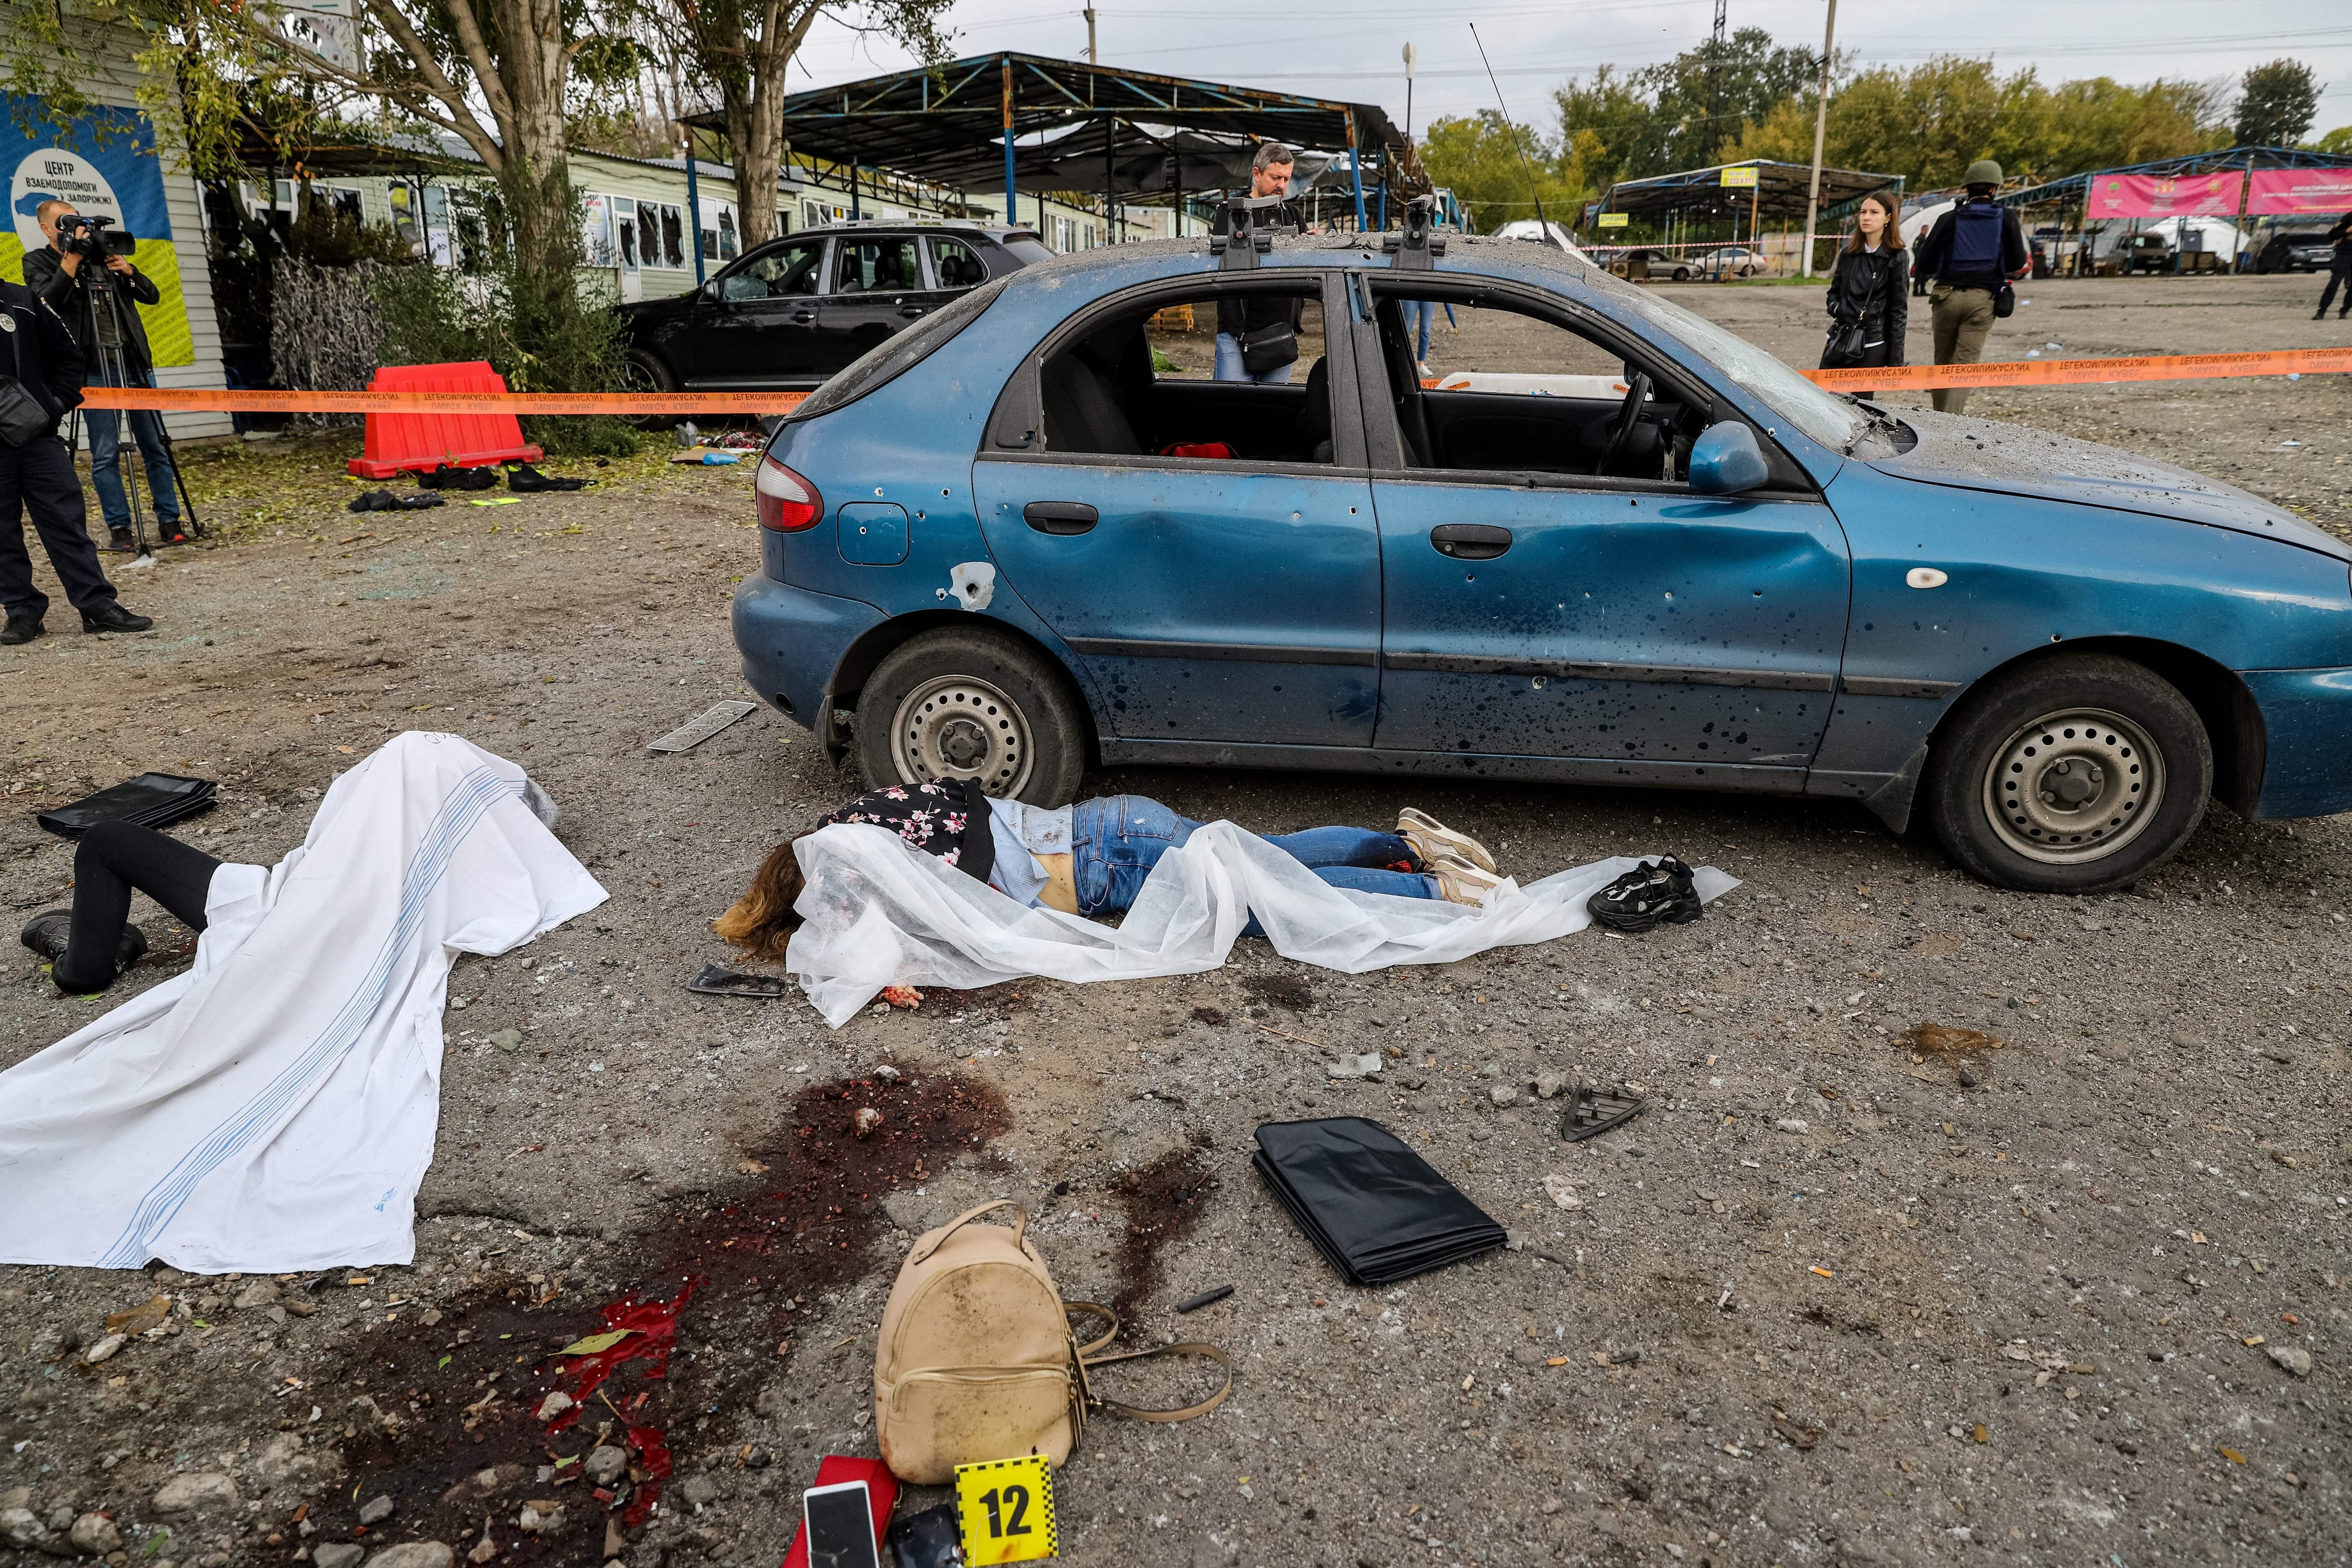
(400, 443)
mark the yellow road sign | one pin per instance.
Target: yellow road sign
(1742, 178)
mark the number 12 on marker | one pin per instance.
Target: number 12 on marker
(1007, 1510)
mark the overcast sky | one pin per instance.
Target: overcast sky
(1350, 49)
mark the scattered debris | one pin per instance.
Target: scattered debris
(866, 1120)
(716, 982)
(905, 996)
(696, 731)
(1363, 1065)
(603, 1342)
(1562, 1192)
(1207, 1299)
(1592, 1111)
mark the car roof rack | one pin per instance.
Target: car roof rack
(1246, 239)
(1420, 243)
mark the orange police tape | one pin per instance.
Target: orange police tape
(181, 400)
(2005, 373)
(2085, 372)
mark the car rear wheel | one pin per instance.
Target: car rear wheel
(644, 372)
(972, 704)
(2076, 774)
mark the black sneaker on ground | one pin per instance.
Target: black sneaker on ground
(374, 500)
(523, 476)
(121, 540)
(20, 629)
(114, 618)
(1655, 892)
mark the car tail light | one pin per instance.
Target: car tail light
(788, 503)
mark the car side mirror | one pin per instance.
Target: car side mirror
(1725, 461)
(710, 290)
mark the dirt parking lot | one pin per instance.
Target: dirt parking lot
(2080, 1298)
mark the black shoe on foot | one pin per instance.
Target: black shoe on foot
(21, 628)
(114, 618)
(47, 934)
(121, 540)
(1657, 892)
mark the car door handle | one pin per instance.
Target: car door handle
(803, 315)
(910, 311)
(1470, 540)
(1061, 516)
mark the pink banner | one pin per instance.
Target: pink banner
(2302, 191)
(2156, 195)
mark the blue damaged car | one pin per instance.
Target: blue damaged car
(1489, 513)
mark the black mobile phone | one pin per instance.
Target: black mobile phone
(840, 1525)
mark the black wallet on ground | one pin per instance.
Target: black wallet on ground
(1376, 1210)
(151, 800)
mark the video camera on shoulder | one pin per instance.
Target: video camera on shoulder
(94, 235)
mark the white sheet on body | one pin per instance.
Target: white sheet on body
(273, 1109)
(877, 911)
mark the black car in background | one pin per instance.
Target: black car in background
(2295, 250)
(793, 312)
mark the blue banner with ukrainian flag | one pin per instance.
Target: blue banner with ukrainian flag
(103, 160)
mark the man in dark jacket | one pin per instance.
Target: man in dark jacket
(105, 329)
(1971, 253)
(1270, 171)
(2339, 270)
(39, 477)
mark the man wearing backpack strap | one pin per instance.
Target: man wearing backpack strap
(1971, 253)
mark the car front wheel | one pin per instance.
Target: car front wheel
(1682, 274)
(2076, 774)
(972, 704)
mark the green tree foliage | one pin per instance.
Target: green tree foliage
(2277, 103)
(2337, 141)
(1927, 123)
(1478, 157)
(1687, 112)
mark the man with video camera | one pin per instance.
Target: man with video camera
(40, 379)
(91, 283)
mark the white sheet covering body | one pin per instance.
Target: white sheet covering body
(273, 1109)
(877, 911)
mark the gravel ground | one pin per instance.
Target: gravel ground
(2075, 1298)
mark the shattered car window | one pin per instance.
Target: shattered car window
(1823, 416)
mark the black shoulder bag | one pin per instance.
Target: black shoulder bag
(21, 415)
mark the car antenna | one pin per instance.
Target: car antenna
(1541, 222)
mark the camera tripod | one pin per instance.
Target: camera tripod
(114, 369)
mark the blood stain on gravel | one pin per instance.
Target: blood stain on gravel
(1162, 1200)
(461, 1436)
(1280, 991)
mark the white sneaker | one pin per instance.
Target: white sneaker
(1432, 840)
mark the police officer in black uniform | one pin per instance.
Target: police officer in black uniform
(39, 477)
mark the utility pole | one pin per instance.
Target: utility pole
(1821, 127)
(1092, 57)
(1411, 58)
(1714, 85)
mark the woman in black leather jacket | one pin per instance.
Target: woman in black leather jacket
(1869, 302)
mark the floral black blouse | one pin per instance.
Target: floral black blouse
(946, 818)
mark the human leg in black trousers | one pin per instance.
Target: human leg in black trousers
(39, 478)
(1873, 357)
(88, 947)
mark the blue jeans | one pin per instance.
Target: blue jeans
(105, 460)
(1229, 365)
(1115, 841)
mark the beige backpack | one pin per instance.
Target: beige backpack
(976, 1360)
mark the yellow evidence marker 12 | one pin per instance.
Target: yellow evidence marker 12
(1007, 1510)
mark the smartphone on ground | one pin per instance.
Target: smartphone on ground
(840, 1524)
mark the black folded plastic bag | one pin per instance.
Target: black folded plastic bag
(151, 800)
(1377, 1211)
